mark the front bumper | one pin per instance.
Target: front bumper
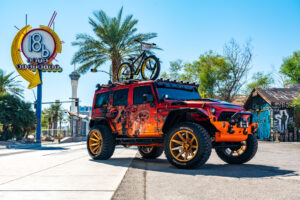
(234, 130)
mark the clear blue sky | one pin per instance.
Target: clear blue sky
(185, 30)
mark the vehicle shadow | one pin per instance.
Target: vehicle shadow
(221, 170)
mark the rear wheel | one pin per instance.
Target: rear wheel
(240, 154)
(150, 152)
(100, 143)
(125, 72)
(187, 146)
(150, 68)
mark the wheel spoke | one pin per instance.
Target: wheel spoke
(192, 140)
(94, 149)
(94, 144)
(95, 134)
(194, 147)
(181, 137)
(94, 139)
(177, 148)
(186, 155)
(179, 154)
(176, 141)
(187, 137)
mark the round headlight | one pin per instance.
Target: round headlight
(213, 110)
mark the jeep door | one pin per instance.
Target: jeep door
(142, 121)
(118, 112)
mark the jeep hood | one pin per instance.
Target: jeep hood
(213, 103)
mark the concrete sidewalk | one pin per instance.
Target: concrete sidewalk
(62, 174)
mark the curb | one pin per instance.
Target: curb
(23, 146)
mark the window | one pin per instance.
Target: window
(178, 94)
(102, 100)
(139, 92)
(121, 97)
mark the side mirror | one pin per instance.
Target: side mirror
(148, 98)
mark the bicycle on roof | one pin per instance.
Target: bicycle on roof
(149, 66)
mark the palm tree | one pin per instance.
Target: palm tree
(115, 40)
(8, 84)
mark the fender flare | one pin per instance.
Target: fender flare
(98, 120)
(182, 111)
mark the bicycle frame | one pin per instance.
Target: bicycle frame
(143, 55)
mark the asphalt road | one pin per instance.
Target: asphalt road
(65, 171)
(272, 174)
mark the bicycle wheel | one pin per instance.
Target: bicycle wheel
(125, 72)
(150, 68)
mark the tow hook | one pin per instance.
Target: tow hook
(245, 132)
(230, 129)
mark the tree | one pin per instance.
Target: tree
(174, 70)
(16, 117)
(115, 40)
(9, 84)
(260, 80)
(239, 60)
(291, 68)
(207, 71)
(52, 116)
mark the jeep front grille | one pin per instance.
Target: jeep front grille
(225, 116)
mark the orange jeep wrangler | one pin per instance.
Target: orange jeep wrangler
(169, 116)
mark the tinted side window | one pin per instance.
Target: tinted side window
(138, 93)
(121, 97)
(102, 100)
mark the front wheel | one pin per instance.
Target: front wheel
(150, 152)
(100, 143)
(150, 68)
(125, 72)
(187, 146)
(244, 152)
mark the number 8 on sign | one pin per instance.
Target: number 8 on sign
(35, 44)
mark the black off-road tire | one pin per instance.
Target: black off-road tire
(249, 153)
(122, 65)
(157, 69)
(154, 152)
(204, 146)
(108, 144)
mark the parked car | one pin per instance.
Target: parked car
(169, 116)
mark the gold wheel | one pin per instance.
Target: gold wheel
(146, 149)
(95, 142)
(184, 145)
(236, 152)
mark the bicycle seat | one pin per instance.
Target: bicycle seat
(131, 59)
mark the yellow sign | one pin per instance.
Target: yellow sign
(39, 46)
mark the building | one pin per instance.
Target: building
(271, 110)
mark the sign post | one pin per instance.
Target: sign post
(39, 47)
(39, 110)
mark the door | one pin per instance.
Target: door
(118, 111)
(142, 121)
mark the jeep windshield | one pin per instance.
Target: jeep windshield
(177, 92)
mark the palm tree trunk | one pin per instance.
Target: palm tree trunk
(116, 61)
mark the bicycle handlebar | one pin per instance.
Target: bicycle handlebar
(153, 44)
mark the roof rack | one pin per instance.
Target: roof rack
(178, 82)
(128, 82)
